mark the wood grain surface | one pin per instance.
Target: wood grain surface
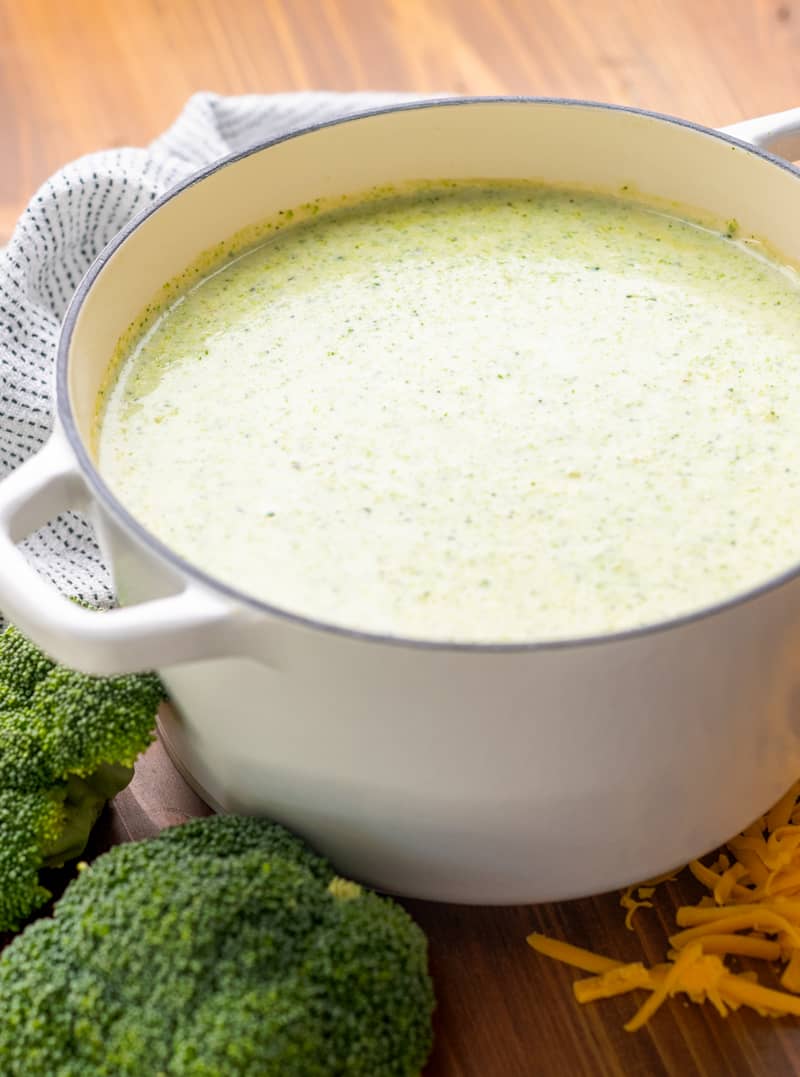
(80, 75)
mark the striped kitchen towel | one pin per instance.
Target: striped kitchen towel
(65, 226)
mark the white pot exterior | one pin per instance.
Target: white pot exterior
(474, 774)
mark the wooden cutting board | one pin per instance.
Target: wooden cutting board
(504, 1011)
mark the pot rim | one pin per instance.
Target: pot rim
(186, 568)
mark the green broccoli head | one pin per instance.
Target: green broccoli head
(222, 946)
(22, 666)
(67, 744)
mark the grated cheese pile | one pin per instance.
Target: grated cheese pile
(752, 910)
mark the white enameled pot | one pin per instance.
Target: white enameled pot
(492, 774)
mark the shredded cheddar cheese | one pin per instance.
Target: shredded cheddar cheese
(644, 891)
(752, 910)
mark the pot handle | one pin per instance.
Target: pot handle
(186, 626)
(778, 133)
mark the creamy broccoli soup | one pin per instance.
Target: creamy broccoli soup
(473, 413)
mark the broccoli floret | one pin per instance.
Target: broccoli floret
(29, 823)
(67, 744)
(223, 946)
(22, 666)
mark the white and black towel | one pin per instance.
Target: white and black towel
(65, 226)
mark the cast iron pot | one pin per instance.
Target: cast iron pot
(479, 773)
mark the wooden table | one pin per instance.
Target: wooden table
(80, 75)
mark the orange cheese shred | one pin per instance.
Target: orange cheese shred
(742, 946)
(618, 981)
(750, 919)
(787, 882)
(631, 903)
(748, 852)
(643, 892)
(764, 1000)
(668, 985)
(723, 889)
(571, 955)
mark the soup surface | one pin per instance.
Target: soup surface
(473, 413)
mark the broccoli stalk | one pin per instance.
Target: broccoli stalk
(222, 946)
(67, 745)
(84, 800)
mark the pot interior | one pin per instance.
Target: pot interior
(595, 146)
